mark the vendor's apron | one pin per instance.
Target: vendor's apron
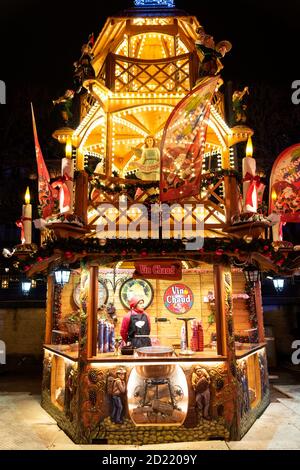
(139, 325)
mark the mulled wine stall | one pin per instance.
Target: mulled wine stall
(152, 243)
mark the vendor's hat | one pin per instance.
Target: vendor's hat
(134, 301)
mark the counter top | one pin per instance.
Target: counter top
(245, 352)
(198, 356)
(206, 356)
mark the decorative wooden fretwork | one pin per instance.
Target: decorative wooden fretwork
(218, 103)
(213, 214)
(173, 74)
(87, 101)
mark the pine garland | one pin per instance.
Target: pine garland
(217, 250)
(208, 179)
(212, 178)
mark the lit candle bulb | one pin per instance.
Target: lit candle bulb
(27, 218)
(276, 228)
(249, 174)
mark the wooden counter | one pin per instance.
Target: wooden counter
(206, 356)
(240, 353)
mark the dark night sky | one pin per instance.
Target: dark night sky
(40, 40)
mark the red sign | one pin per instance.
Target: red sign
(156, 269)
(178, 298)
(285, 185)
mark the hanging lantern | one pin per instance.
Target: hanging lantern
(26, 286)
(62, 275)
(278, 284)
(252, 274)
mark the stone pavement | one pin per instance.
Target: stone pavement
(25, 425)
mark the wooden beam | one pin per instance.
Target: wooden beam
(165, 46)
(226, 158)
(92, 312)
(259, 312)
(231, 197)
(219, 290)
(110, 65)
(108, 152)
(49, 310)
(81, 196)
(133, 30)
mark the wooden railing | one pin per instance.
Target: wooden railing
(173, 74)
(211, 198)
(87, 101)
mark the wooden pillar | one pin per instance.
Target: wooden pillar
(92, 312)
(259, 312)
(49, 309)
(81, 196)
(79, 160)
(109, 143)
(110, 72)
(225, 336)
(194, 68)
(220, 309)
(226, 158)
(231, 197)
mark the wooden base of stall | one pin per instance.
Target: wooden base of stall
(155, 408)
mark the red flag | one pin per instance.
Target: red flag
(44, 188)
(183, 143)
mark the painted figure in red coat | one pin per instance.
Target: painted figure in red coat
(135, 328)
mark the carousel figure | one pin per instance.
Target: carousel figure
(118, 389)
(83, 68)
(149, 163)
(239, 108)
(210, 63)
(200, 384)
(65, 104)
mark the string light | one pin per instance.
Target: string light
(213, 126)
(87, 119)
(93, 154)
(145, 108)
(129, 124)
(143, 95)
(152, 21)
(220, 120)
(99, 122)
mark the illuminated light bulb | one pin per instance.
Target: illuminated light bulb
(274, 195)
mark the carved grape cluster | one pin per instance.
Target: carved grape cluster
(93, 376)
(93, 397)
(219, 383)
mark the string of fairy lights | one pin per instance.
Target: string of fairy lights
(121, 119)
(151, 45)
